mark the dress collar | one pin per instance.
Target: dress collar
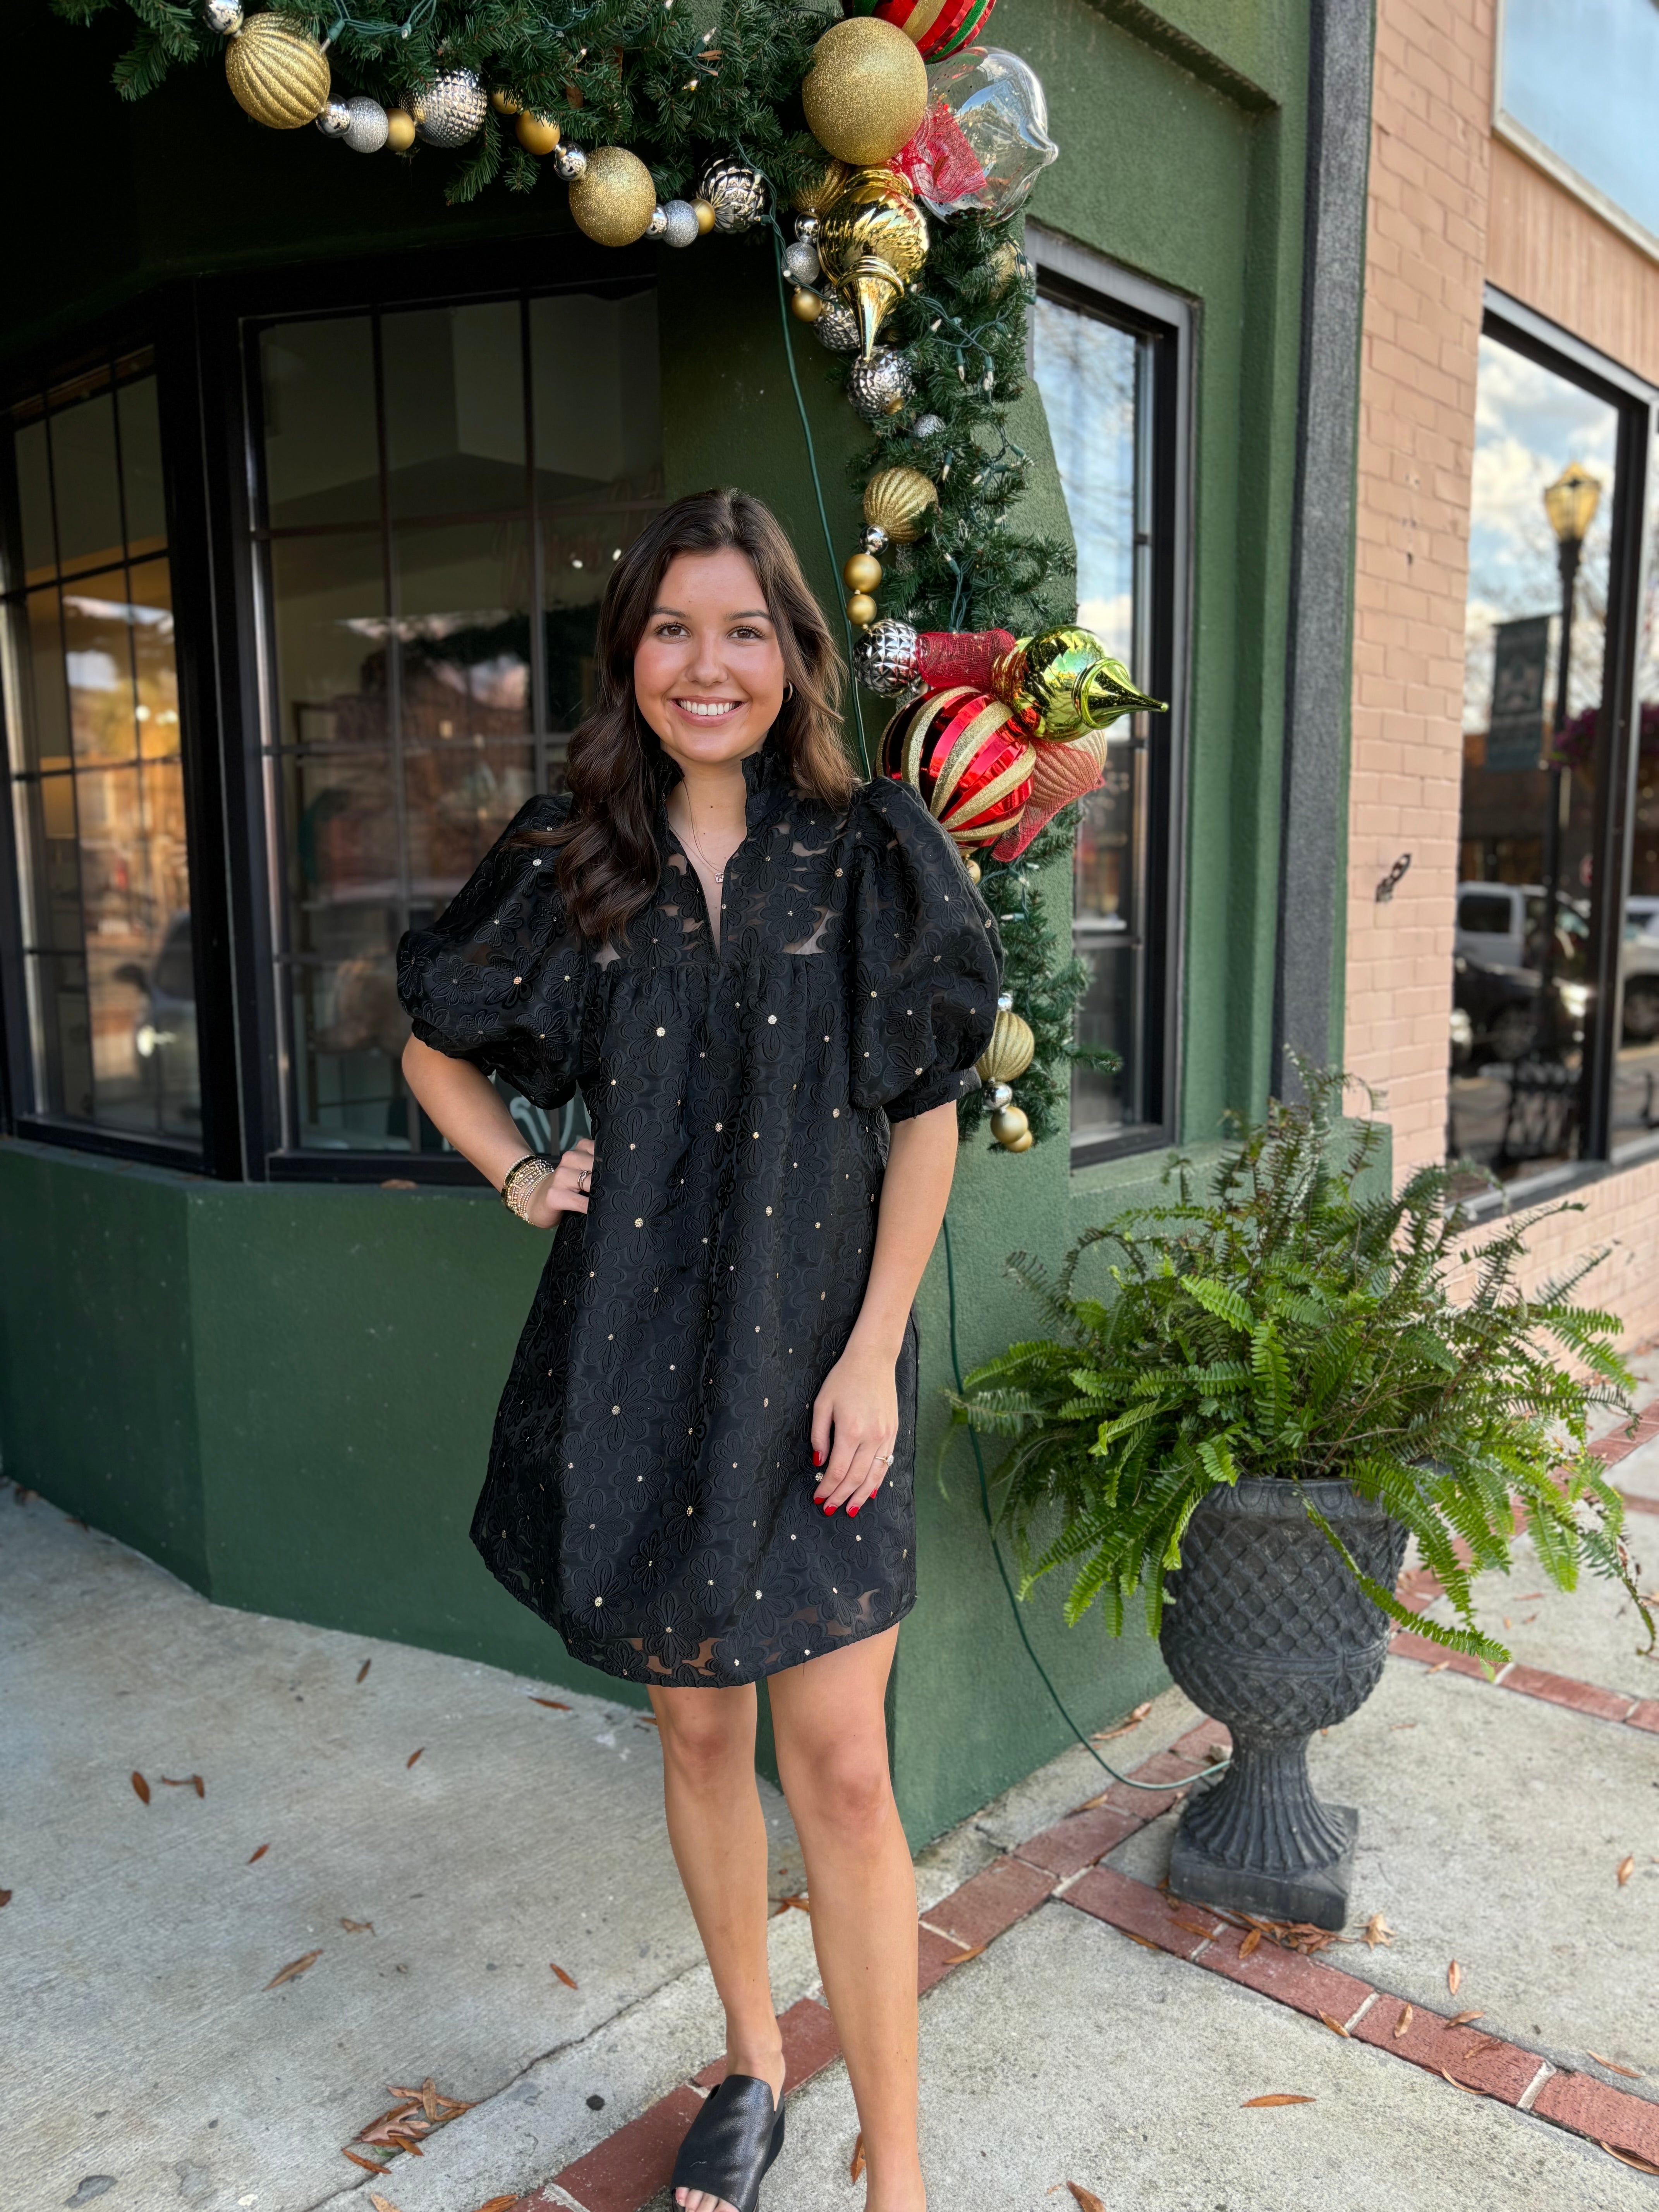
(765, 779)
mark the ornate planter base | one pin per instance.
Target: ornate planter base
(1268, 1631)
(1318, 1895)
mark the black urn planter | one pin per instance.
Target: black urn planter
(1267, 1631)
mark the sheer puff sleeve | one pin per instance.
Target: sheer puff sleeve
(499, 978)
(927, 964)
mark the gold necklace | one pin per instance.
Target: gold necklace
(718, 874)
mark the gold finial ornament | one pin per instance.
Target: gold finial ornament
(1063, 684)
(901, 502)
(866, 91)
(277, 73)
(871, 242)
(614, 198)
(1009, 1052)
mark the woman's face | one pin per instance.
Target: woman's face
(709, 671)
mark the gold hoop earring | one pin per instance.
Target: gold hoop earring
(788, 693)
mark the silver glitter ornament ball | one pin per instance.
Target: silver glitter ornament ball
(800, 263)
(837, 327)
(335, 120)
(679, 223)
(569, 161)
(365, 133)
(926, 426)
(880, 386)
(736, 192)
(885, 659)
(223, 16)
(451, 109)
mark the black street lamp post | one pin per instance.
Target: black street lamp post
(1571, 503)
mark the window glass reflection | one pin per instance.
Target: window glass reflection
(1534, 743)
(1636, 1078)
(1095, 394)
(428, 667)
(97, 773)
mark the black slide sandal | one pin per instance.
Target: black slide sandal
(731, 2142)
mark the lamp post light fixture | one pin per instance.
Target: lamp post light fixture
(1570, 503)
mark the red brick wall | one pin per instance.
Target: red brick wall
(1450, 207)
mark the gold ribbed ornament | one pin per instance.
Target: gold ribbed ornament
(866, 90)
(1009, 1052)
(277, 73)
(815, 195)
(901, 501)
(873, 242)
(613, 199)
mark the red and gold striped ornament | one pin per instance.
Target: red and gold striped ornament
(966, 755)
(935, 28)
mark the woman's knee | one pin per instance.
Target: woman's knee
(705, 1737)
(839, 1787)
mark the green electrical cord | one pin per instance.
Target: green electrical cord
(812, 463)
(1128, 1781)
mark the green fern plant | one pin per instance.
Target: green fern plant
(1285, 1323)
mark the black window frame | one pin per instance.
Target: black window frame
(199, 329)
(1076, 276)
(1613, 820)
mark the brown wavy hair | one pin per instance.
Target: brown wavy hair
(609, 863)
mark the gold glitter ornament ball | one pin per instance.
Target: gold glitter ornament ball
(866, 90)
(277, 73)
(901, 501)
(614, 198)
(1010, 1051)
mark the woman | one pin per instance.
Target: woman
(771, 984)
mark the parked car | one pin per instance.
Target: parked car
(1499, 928)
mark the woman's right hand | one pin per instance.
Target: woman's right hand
(564, 1191)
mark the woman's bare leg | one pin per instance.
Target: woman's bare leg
(719, 1834)
(830, 1727)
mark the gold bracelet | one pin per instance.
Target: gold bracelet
(523, 1177)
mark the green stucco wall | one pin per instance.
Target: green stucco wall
(284, 1392)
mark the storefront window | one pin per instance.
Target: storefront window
(445, 490)
(1100, 378)
(92, 715)
(1635, 1089)
(1536, 746)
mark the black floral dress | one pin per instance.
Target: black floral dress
(650, 1484)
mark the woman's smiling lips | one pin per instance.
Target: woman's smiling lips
(707, 710)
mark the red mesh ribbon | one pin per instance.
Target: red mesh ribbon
(944, 657)
(939, 162)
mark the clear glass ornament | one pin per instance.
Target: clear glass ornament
(984, 141)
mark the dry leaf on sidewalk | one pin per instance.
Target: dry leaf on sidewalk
(429, 2098)
(1625, 1868)
(554, 1704)
(1278, 2097)
(294, 1969)
(260, 1853)
(967, 1951)
(1084, 2199)
(568, 1980)
(363, 1670)
(1629, 2158)
(1456, 2084)
(1335, 2027)
(1105, 1735)
(413, 1756)
(1377, 1931)
(381, 2203)
(141, 1786)
(368, 2165)
(1454, 1976)
(5, 1897)
(855, 2163)
(1251, 1942)
(1462, 2019)
(1613, 2067)
(498, 2204)
(1406, 2015)
(358, 1927)
(184, 1782)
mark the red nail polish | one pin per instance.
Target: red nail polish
(851, 1512)
(817, 1459)
(828, 1509)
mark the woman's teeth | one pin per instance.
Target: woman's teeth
(707, 709)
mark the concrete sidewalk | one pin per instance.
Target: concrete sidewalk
(441, 1842)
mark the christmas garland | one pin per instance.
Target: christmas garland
(662, 129)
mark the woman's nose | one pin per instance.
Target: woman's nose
(707, 661)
